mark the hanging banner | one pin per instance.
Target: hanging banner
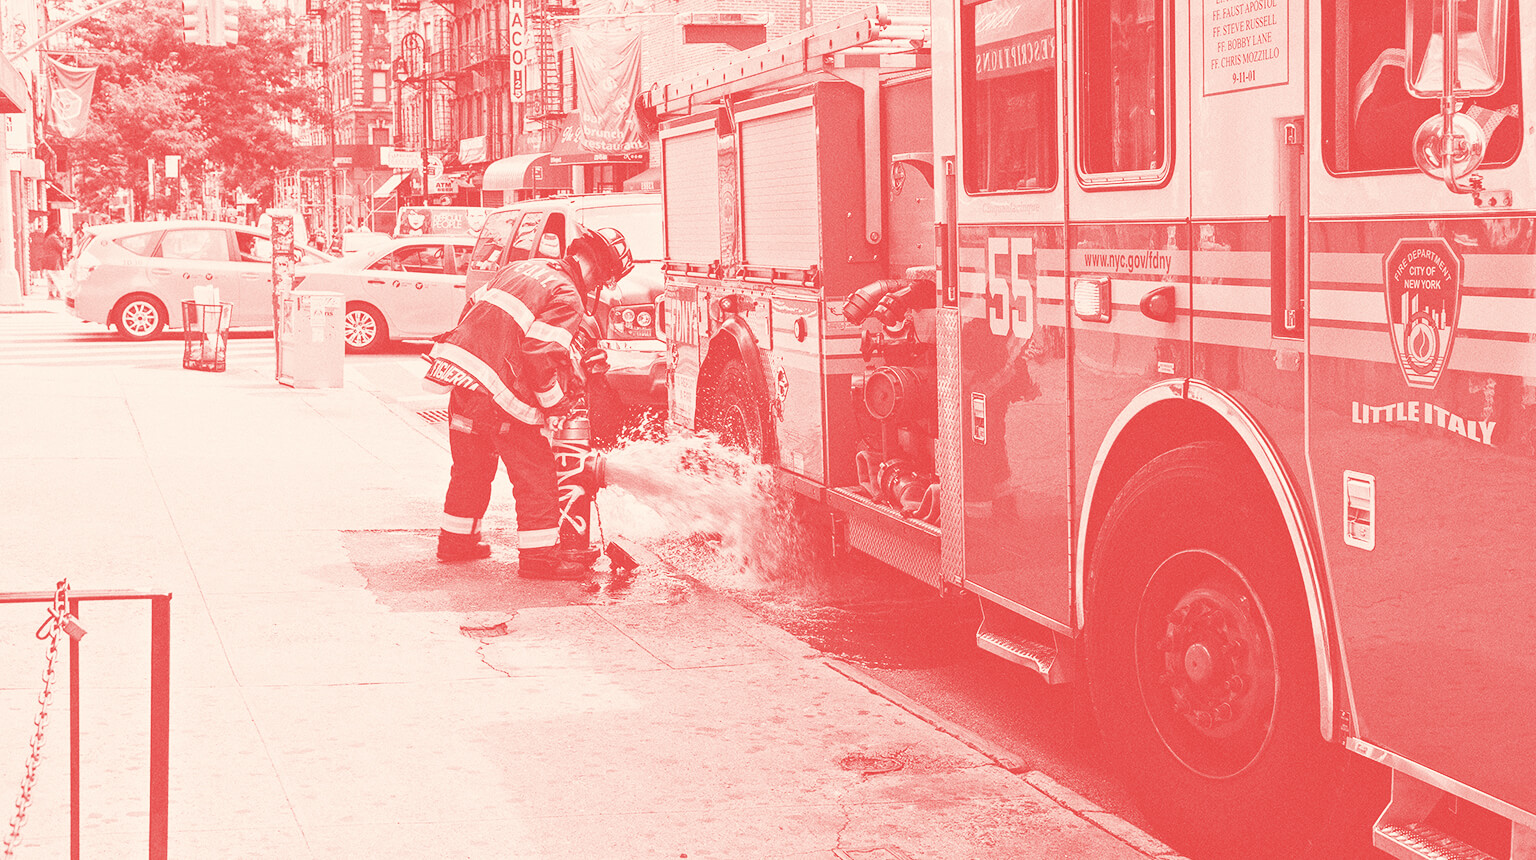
(608, 79)
(69, 99)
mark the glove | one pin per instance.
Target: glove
(566, 404)
(594, 361)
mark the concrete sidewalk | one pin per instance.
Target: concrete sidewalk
(327, 700)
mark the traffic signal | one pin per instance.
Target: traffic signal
(224, 18)
(211, 22)
(194, 21)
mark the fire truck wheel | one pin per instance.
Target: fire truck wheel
(730, 410)
(1200, 657)
(363, 328)
(139, 317)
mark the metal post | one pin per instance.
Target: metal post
(159, 725)
(74, 738)
(425, 91)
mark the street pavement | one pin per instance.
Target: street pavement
(337, 692)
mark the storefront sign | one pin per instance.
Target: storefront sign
(517, 50)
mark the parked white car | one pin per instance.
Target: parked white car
(401, 289)
(134, 276)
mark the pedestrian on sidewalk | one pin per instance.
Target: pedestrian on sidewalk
(47, 253)
(510, 366)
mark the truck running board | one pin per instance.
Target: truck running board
(1403, 830)
(1008, 636)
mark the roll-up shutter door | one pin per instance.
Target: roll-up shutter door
(781, 214)
(693, 197)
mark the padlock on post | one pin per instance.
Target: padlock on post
(71, 625)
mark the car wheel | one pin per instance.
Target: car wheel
(365, 329)
(1201, 664)
(139, 317)
(730, 410)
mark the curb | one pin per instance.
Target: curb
(1068, 799)
(1108, 822)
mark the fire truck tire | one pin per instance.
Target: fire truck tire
(731, 411)
(1201, 665)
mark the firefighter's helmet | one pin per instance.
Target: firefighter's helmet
(606, 247)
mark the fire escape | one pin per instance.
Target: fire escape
(546, 103)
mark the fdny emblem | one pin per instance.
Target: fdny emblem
(1423, 283)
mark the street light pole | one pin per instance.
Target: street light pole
(409, 72)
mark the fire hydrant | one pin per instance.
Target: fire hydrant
(579, 472)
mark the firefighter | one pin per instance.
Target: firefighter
(509, 363)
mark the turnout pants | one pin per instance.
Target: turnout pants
(479, 436)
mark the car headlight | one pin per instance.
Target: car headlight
(632, 323)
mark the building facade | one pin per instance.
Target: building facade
(500, 144)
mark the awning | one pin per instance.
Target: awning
(575, 155)
(648, 179)
(566, 150)
(517, 172)
(15, 97)
(58, 197)
(389, 185)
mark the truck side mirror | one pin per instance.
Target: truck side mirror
(1455, 52)
(1476, 51)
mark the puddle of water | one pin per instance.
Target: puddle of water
(712, 514)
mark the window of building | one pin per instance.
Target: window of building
(1124, 90)
(380, 93)
(1009, 83)
(1369, 115)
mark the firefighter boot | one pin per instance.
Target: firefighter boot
(547, 563)
(452, 546)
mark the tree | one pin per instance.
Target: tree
(227, 108)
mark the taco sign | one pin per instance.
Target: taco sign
(1423, 291)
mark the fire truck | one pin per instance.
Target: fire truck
(1196, 340)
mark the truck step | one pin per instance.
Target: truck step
(1412, 841)
(1044, 659)
(1404, 829)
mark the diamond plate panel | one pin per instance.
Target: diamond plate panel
(947, 452)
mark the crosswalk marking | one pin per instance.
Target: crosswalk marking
(54, 338)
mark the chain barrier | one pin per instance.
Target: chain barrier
(58, 619)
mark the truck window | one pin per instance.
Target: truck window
(1008, 95)
(552, 237)
(1123, 104)
(1370, 117)
(524, 237)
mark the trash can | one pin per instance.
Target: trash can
(205, 330)
(310, 347)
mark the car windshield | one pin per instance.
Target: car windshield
(493, 237)
(641, 226)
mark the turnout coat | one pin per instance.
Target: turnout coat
(514, 341)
